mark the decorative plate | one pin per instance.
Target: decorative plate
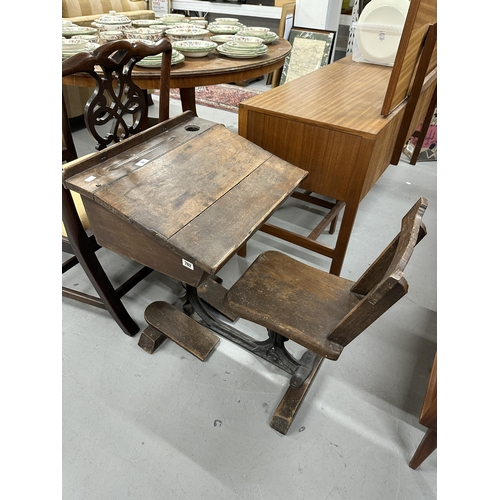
(223, 29)
(241, 53)
(222, 38)
(78, 30)
(194, 48)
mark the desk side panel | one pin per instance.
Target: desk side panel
(330, 157)
(112, 232)
(383, 149)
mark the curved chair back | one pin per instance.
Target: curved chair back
(118, 107)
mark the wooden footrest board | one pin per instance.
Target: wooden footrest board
(182, 329)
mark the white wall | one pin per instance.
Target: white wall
(318, 14)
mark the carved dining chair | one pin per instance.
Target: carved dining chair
(318, 310)
(117, 109)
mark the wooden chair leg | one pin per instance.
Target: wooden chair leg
(425, 448)
(90, 263)
(291, 401)
(425, 127)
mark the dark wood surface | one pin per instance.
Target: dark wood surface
(181, 328)
(171, 197)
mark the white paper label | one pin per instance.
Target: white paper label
(90, 178)
(187, 264)
(142, 162)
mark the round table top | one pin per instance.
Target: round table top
(200, 71)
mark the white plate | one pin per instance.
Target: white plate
(88, 48)
(222, 29)
(222, 38)
(380, 45)
(269, 38)
(77, 30)
(144, 23)
(247, 41)
(194, 48)
(243, 54)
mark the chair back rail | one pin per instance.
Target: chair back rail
(383, 283)
(117, 102)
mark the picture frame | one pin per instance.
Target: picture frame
(311, 49)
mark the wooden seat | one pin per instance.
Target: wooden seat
(318, 310)
(117, 109)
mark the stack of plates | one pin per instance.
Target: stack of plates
(269, 37)
(73, 46)
(232, 49)
(225, 29)
(155, 61)
(194, 48)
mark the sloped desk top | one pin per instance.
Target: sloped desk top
(181, 197)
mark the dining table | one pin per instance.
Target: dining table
(213, 69)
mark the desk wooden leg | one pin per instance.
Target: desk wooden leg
(351, 209)
(188, 100)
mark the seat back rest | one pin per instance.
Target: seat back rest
(118, 107)
(383, 284)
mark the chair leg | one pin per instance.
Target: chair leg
(92, 267)
(291, 401)
(425, 448)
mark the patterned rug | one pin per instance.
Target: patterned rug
(223, 96)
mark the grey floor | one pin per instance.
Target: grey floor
(167, 426)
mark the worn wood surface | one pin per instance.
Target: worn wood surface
(298, 301)
(182, 329)
(289, 405)
(151, 339)
(182, 189)
(318, 310)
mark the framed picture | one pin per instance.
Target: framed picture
(311, 49)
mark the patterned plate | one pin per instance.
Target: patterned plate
(241, 54)
(222, 38)
(78, 30)
(223, 29)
